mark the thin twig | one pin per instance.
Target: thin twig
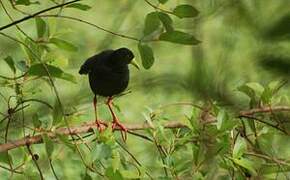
(91, 24)
(35, 161)
(11, 170)
(266, 157)
(36, 14)
(158, 8)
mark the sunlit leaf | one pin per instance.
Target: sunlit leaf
(115, 160)
(185, 11)
(247, 164)
(65, 45)
(79, 6)
(152, 23)
(179, 38)
(10, 63)
(240, 147)
(146, 54)
(224, 123)
(113, 175)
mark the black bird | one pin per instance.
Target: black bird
(108, 76)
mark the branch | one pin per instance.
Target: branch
(88, 127)
(85, 128)
(36, 14)
(267, 109)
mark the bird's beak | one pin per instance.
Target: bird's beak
(135, 64)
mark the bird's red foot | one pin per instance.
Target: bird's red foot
(101, 126)
(117, 125)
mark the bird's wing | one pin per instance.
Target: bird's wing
(94, 61)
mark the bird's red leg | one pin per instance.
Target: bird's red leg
(100, 124)
(116, 123)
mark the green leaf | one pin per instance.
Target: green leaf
(240, 147)
(49, 145)
(4, 157)
(146, 54)
(258, 88)
(115, 160)
(152, 23)
(162, 1)
(22, 2)
(166, 21)
(39, 70)
(246, 163)
(63, 44)
(35, 120)
(57, 113)
(113, 175)
(10, 63)
(179, 38)
(22, 66)
(101, 151)
(185, 11)
(32, 50)
(79, 6)
(40, 26)
(221, 118)
(194, 120)
(247, 91)
(25, 2)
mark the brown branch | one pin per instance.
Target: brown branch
(85, 128)
(267, 109)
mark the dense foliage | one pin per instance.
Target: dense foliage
(211, 101)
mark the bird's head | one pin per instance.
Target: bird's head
(123, 56)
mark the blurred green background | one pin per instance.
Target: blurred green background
(242, 41)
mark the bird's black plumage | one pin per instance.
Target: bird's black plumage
(108, 71)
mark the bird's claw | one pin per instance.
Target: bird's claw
(101, 126)
(122, 128)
